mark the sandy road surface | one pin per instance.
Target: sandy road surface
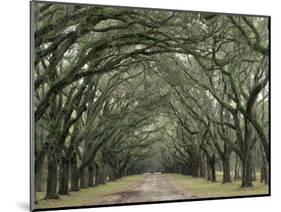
(154, 187)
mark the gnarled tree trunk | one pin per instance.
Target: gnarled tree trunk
(213, 167)
(264, 171)
(74, 174)
(247, 165)
(52, 178)
(226, 170)
(64, 177)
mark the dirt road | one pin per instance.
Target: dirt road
(154, 187)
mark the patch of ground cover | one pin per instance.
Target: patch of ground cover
(201, 188)
(90, 196)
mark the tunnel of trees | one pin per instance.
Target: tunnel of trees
(122, 91)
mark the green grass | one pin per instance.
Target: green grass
(201, 188)
(89, 196)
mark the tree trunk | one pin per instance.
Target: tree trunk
(247, 156)
(264, 167)
(202, 168)
(254, 176)
(262, 177)
(74, 174)
(52, 178)
(266, 178)
(254, 158)
(212, 162)
(237, 168)
(264, 172)
(39, 161)
(106, 173)
(64, 177)
(111, 174)
(213, 168)
(226, 170)
(39, 176)
(97, 180)
(90, 176)
(83, 178)
(247, 170)
(209, 171)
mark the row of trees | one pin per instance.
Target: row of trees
(220, 104)
(112, 85)
(94, 131)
